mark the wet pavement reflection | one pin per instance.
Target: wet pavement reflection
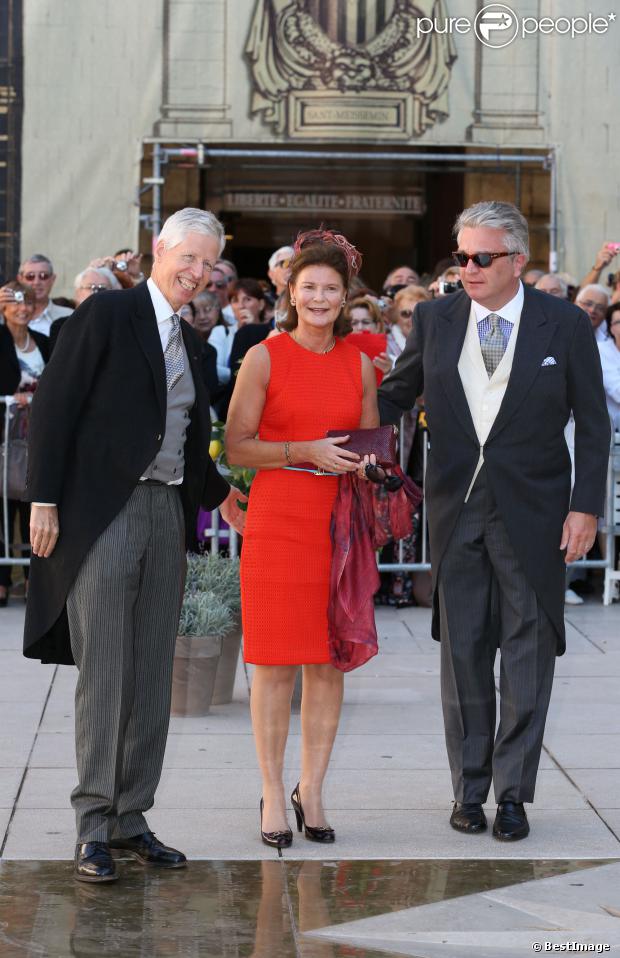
(230, 909)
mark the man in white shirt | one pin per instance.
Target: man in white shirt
(38, 273)
(594, 300)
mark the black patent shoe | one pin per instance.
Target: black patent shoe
(283, 839)
(468, 817)
(148, 850)
(323, 833)
(511, 822)
(93, 862)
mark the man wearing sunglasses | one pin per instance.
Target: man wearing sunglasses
(219, 284)
(38, 273)
(501, 367)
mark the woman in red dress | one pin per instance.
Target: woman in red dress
(290, 390)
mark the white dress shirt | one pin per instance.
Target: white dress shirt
(610, 361)
(163, 312)
(52, 312)
(511, 312)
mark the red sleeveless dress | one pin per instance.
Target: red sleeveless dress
(286, 554)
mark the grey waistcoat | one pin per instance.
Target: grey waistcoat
(168, 464)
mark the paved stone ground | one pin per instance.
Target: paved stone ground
(388, 792)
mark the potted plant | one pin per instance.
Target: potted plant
(219, 575)
(204, 622)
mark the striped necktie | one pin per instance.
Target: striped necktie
(173, 354)
(493, 346)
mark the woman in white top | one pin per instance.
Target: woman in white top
(405, 302)
(610, 361)
(221, 338)
(23, 355)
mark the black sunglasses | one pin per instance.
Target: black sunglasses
(217, 283)
(480, 259)
(381, 478)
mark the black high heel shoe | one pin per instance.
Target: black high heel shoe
(322, 833)
(275, 839)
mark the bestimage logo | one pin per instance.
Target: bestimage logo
(496, 25)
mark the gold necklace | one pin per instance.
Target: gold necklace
(323, 351)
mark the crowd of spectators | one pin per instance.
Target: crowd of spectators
(233, 313)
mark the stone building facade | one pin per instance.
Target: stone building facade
(381, 116)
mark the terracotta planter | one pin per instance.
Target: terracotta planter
(227, 668)
(193, 676)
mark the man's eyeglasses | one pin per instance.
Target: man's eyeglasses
(95, 287)
(483, 260)
(595, 307)
(30, 277)
(217, 284)
(283, 262)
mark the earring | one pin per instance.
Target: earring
(293, 303)
(343, 304)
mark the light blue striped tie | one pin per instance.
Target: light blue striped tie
(493, 346)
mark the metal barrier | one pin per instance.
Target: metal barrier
(611, 527)
(612, 575)
(5, 558)
(219, 536)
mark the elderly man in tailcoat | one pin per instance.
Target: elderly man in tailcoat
(118, 466)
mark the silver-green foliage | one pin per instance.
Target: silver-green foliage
(213, 573)
(204, 613)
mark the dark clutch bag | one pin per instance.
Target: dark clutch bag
(380, 441)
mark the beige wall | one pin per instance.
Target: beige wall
(99, 79)
(92, 82)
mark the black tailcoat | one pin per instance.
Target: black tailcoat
(526, 457)
(98, 420)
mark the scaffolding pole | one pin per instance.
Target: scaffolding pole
(201, 153)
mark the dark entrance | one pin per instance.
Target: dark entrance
(396, 212)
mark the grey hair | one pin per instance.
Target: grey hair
(38, 258)
(558, 278)
(275, 256)
(596, 287)
(101, 271)
(191, 220)
(231, 266)
(497, 216)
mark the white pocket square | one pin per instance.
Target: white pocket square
(549, 361)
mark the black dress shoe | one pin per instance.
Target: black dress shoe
(148, 850)
(511, 822)
(468, 817)
(94, 863)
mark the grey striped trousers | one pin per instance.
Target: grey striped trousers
(486, 604)
(123, 612)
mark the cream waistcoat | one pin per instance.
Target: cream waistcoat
(484, 396)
